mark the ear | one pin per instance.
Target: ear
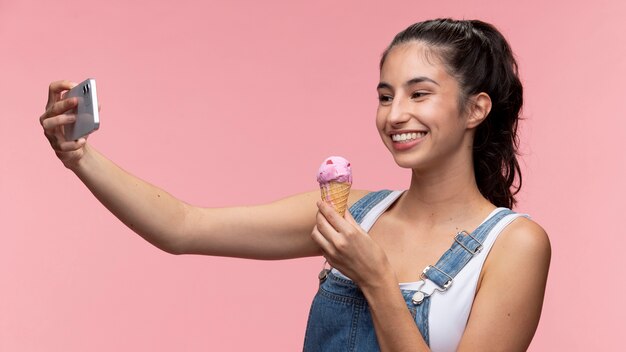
(479, 110)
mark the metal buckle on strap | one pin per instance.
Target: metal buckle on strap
(419, 296)
(445, 285)
(324, 273)
(465, 233)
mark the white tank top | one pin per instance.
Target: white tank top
(449, 310)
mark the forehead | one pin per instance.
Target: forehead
(414, 59)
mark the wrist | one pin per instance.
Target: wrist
(78, 164)
(384, 280)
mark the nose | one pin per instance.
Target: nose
(399, 112)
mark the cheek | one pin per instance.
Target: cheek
(380, 120)
(443, 115)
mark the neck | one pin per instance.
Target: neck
(442, 195)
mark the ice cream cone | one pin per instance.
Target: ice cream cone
(335, 178)
(336, 194)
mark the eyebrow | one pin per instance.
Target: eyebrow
(412, 81)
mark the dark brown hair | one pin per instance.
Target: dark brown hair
(479, 57)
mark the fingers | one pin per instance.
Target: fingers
(68, 146)
(51, 123)
(351, 220)
(55, 90)
(65, 146)
(326, 236)
(58, 108)
(325, 245)
(326, 229)
(338, 223)
(332, 232)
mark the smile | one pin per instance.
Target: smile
(407, 137)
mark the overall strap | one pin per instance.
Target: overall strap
(464, 247)
(365, 204)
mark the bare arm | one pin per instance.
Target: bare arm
(272, 231)
(507, 307)
(277, 230)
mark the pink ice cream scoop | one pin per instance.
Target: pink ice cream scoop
(335, 179)
(335, 168)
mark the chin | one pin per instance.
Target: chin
(406, 161)
(414, 160)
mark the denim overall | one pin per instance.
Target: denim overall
(340, 320)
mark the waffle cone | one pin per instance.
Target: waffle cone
(336, 194)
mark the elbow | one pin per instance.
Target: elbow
(171, 249)
(175, 245)
(170, 242)
(177, 242)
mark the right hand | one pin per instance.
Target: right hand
(53, 120)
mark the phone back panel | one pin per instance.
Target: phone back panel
(87, 117)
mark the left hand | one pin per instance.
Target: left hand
(348, 248)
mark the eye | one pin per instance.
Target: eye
(385, 99)
(418, 94)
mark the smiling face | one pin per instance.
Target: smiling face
(419, 116)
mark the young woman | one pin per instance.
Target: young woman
(442, 266)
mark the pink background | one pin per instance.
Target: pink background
(237, 103)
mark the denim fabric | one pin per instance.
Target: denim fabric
(463, 249)
(340, 320)
(359, 209)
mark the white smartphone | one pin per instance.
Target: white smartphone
(87, 116)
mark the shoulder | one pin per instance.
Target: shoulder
(356, 195)
(369, 197)
(525, 236)
(522, 246)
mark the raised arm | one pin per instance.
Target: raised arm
(272, 231)
(278, 230)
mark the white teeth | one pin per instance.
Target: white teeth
(403, 137)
